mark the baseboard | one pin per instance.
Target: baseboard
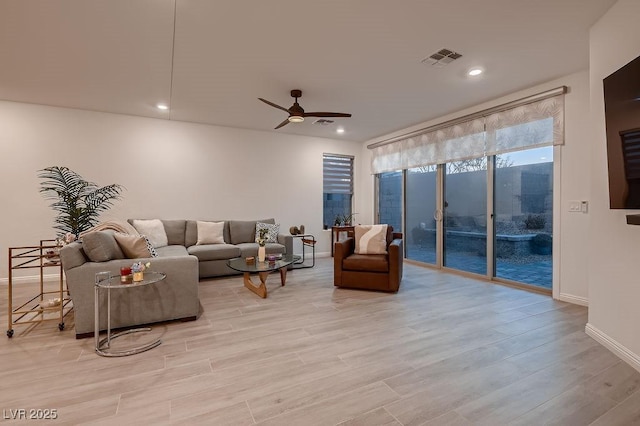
(31, 279)
(576, 300)
(615, 347)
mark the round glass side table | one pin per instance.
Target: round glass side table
(104, 280)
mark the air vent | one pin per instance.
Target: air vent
(323, 122)
(442, 57)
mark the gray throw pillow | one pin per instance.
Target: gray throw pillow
(101, 246)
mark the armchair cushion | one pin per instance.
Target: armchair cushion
(366, 262)
(371, 239)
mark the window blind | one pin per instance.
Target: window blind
(337, 174)
(528, 123)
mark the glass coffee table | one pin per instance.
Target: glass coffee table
(263, 269)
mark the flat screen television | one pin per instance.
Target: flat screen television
(622, 116)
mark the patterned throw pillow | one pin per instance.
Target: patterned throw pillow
(150, 247)
(272, 231)
(371, 239)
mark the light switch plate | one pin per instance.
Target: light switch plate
(575, 206)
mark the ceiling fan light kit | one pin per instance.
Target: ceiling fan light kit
(296, 112)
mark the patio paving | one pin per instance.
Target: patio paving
(536, 270)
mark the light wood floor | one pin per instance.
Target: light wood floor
(444, 350)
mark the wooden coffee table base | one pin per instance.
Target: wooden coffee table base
(261, 289)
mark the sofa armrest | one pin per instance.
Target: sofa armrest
(287, 241)
(342, 249)
(396, 258)
(72, 256)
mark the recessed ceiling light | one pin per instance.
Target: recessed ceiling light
(162, 107)
(474, 72)
(340, 130)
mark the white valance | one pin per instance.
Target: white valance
(499, 130)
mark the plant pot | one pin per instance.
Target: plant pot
(262, 251)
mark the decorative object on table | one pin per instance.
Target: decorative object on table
(78, 202)
(294, 230)
(65, 239)
(125, 275)
(250, 260)
(347, 219)
(138, 269)
(262, 242)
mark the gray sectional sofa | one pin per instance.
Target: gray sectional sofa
(239, 236)
(182, 260)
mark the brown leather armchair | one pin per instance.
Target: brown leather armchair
(369, 271)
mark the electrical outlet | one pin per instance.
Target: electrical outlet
(584, 206)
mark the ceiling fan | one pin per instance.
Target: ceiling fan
(297, 114)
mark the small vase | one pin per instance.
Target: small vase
(261, 253)
(138, 276)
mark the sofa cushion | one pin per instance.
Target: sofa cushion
(133, 246)
(153, 229)
(191, 232)
(272, 231)
(210, 233)
(101, 246)
(244, 231)
(370, 239)
(366, 262)
(175, 230)
(172, 250)
(214, 251)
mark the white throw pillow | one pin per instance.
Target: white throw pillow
(153, 229)
(210, 233)
(371, 239)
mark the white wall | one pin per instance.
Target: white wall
(571, 231)
(171, 170)
(614, 271)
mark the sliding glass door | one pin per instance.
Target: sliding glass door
(447, 223)
(465, 215)
(524, 216)
(390, 199)
(421, 214)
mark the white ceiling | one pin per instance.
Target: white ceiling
(357, 56)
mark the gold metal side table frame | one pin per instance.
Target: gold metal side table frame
(104, 280)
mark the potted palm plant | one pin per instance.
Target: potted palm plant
(78, 202)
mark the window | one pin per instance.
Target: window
(390, 199)
(337, 194)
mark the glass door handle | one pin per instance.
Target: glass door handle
(437, 215)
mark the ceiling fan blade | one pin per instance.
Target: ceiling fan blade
(326, 114)
(284, 123)
(273, 105)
